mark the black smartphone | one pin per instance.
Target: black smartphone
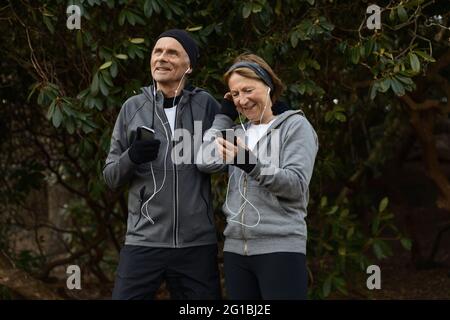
(229, 135)
(145, 133)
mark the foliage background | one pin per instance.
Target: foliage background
(372, 95)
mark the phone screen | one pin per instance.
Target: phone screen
(229, 135)
(145, 133)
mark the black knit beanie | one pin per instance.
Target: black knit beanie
(186, 42)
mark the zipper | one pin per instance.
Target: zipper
(175, 207)
(175, 190)
(242, 217)
(175, 180)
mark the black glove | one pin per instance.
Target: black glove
(229, 109)
(142, 151)
(249, 160)
(279, 107)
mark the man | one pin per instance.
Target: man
(170, 230)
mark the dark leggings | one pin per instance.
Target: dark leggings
(272, 276)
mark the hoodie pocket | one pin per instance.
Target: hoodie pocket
(264, 215)
(207, 208)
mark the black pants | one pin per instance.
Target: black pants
(272, 276)
(190, 273)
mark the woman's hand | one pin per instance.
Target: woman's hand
(228, 151)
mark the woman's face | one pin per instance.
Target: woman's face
(250, 96)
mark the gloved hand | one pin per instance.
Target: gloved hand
(228, 108)
(142, 151)
(245, 159)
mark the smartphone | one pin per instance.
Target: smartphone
(229, 135)
(145, 133)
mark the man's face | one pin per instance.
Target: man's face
(169, 61)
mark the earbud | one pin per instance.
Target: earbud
(268, 90)
(188, 70)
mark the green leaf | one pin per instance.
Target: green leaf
(148, 8)
(406, 243)
(70, 126)
(278, 8)
(302, 88)
(323, 202)
(311, 2)
(402, 13)
(384, 85)
(121, 56)
(354, 55)
(137, 40)
(332, 210)
(94, 84)
(383, 204)
(246, 10)
(373, 90)
(51, 110)
(103, 87)
(350, 232)
(414, 61)
(405, 80)
(302, 65)
(397, 87)
(107, 78)
(425, 56)
(340, 117)
(113, 70)
(314, 64)
(131, 18)
(294, 39)
(326, 288)
(193, 29)
(392, 15)
(57, 117)
(368, 47)
(49, 25)
(377, 249)
(79, 39)
(107, 64)
(256, 8)
(375, 224)
(122, 16)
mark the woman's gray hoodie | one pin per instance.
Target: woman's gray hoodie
(266, 208)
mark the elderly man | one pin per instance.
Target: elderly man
(170, 231)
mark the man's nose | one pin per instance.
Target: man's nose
(162, 57)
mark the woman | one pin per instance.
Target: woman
(269, 172)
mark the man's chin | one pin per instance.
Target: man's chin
(162, 79)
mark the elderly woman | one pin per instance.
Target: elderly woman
(270, 165)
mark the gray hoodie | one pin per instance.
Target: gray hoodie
(266, 209)
(182, 209)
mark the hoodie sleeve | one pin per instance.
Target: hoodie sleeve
(119, 168)
(298, 149)
(208, 160)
